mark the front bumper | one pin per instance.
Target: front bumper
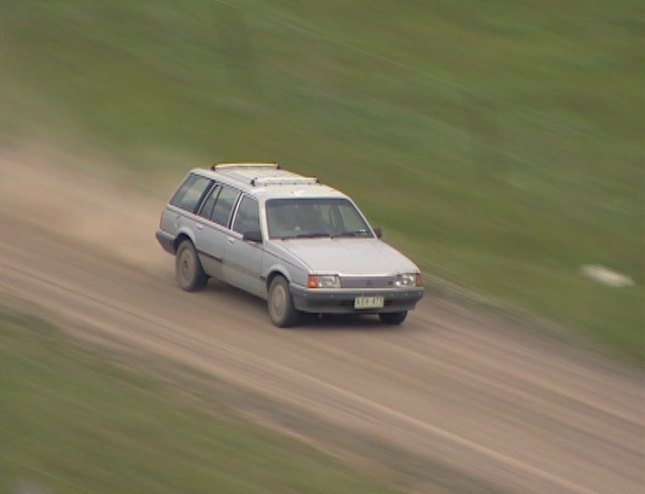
(341, 301)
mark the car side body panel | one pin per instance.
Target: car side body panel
(210, 243)
(243, 263)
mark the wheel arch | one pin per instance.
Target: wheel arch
(183, 235)
(275, 272)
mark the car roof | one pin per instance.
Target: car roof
(267, 180)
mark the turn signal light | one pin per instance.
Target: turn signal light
(312, 282)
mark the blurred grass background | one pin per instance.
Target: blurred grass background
(499, 144)
(73, 420)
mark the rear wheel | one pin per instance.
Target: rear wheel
(280, 304)
(188, 270)
(393, 318)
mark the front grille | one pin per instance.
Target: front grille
(367, 281)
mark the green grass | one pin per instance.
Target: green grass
(500, 144)
(71, 421)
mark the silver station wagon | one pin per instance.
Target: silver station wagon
(300, 245)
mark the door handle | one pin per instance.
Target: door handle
(230, 240)
(199, 226)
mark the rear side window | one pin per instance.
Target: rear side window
(224, 205)
(190, 193)
(207, 208)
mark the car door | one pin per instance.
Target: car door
(243, 258)
(212, 231)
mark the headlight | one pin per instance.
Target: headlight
(406, 280)
(323, 281)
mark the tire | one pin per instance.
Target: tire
(280, 304)
(188, 270)
(393, 318)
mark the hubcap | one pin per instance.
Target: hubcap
(278, 301)
(185, 265)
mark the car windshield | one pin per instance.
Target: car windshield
(314, 217)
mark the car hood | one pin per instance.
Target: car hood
(349, 256)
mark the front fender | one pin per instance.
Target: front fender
(292, 274)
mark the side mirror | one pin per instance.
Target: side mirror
(252, 236)
(378, 232)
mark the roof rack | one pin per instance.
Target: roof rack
(223, 166)
(295, 180)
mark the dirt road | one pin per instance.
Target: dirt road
(515, 409)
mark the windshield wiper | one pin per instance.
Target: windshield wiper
(355, 233)
(308, 235)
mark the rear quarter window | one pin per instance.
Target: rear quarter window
(191, 192)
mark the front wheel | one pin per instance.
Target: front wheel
(188, 270)
(280, 304)
(393, 318)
